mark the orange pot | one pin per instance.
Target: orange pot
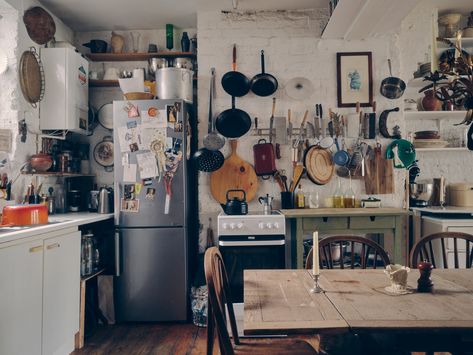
(24, 215)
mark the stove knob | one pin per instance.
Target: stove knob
(232, 225)
(269, 225)
(261, 225)
(240, 225)
(276, 225)
(224, 226)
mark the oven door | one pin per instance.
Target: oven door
(250, 252)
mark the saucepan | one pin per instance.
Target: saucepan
(392, 87)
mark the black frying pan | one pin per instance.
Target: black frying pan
(233, 123)
(263, 84)
(235, 83)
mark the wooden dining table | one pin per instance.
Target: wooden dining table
(280, 302)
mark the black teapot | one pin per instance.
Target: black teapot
(236, 206)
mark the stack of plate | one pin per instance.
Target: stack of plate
(429, 139)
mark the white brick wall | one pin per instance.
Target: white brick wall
(293, 48)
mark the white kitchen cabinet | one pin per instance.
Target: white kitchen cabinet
(40, 294)
(21, 287)
(61, 293)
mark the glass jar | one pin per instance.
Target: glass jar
(87, 254)
(313, 199)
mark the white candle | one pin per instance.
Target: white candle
(315, 254)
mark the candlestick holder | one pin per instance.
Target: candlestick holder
(316, 288)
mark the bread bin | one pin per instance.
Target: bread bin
(24, 215)
(461, 194)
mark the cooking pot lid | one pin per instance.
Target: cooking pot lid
(106, 116)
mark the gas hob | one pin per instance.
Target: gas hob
(251, 224)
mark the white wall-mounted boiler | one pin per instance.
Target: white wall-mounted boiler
(65, 105)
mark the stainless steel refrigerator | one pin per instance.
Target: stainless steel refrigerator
(151, 237)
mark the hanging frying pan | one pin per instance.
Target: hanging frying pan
(233, 82)
(39, 25)
(31, 77)
(103, 153)
(233, 123)
(319, 165)
(263, 84)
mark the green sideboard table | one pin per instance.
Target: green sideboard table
(300, 222)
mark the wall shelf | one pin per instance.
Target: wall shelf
(434, 115)
(446, 149)
(56, 174)
(103, 83)
(359, 19)
(129, 57)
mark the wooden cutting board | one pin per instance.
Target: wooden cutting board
(235, 173)
(379, 178)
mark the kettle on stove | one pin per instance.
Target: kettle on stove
(105, 200)
(236, 206)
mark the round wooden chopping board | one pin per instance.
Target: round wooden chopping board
(319, 165)
(235, 173)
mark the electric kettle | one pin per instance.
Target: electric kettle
(105, 200)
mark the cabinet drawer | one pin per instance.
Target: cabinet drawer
(325, 223)
(374, 222)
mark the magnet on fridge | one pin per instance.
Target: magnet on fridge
(147, 182)
(132, 110)
(131, 124)
(150, 193)
(138, 187)
(130, 205)
(171, 113)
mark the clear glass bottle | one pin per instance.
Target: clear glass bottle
(349, 197)
(338, 195)
(314, 199)
(300, 198)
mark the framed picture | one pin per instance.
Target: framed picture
(354, 79)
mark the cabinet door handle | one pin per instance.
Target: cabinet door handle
(36, 249)
(52, 246)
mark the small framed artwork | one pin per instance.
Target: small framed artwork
(354, 79)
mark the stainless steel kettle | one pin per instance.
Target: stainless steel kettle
(105, 200)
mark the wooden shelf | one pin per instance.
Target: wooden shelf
(466, 42)
(446, 149)
(129, 57)
(57, 174)
(434, 115)
(360, 19)
(103, 83)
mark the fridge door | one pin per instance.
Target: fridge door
(152, 285)
(150, 209)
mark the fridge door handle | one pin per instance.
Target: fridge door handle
(117, 254)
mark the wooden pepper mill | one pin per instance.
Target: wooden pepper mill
(424, 283)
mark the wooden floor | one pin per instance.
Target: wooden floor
(138, 339)
(147, 339)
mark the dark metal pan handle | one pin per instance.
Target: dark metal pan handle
(262, 61)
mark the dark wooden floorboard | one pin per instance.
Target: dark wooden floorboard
(146, 339)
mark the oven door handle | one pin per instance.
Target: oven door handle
(246, 243)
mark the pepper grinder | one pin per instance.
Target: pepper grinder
(424, 283)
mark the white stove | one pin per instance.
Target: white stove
(251, 241)
(251, 224)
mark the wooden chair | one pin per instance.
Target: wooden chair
(424, 249)
(219, 298)
(336, 245)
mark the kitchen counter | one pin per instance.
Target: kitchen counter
(56, 222)
(346, 221)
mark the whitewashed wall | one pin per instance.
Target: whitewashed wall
(293, 48)
(13, 107)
